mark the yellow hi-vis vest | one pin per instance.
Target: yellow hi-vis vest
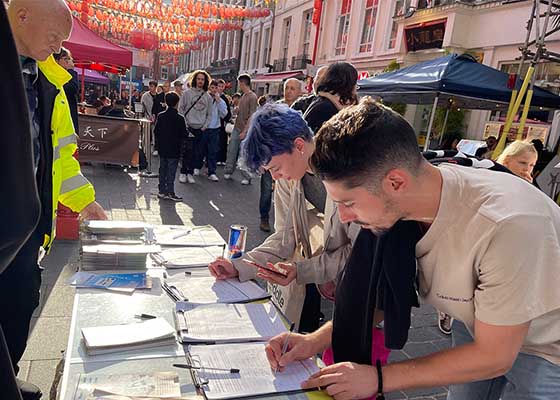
(69, 186)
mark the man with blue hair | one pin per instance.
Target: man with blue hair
(310, 245)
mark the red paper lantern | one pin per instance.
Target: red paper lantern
(144, 39)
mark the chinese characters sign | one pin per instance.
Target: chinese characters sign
(108, 140)
(422, 37)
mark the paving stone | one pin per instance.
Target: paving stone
(41, 373)
(48, 338)
(414, 350)
(420, 335)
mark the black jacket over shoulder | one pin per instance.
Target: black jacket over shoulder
(20, 203)
(170, 131)
(320, 110)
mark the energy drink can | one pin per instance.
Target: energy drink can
(237, 241)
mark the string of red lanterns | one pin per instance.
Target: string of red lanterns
(180, 26)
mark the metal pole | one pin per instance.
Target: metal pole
(432, 117)
(444, 125)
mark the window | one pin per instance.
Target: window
(247, 45)
(266, 47)
(286, 37)
(366, 43)
(255, 56)
(399, 5)
(307, 23)
(164, 73)
(343, 24)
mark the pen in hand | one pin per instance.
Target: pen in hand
(285, 346)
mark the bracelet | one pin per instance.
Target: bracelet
(380, 395)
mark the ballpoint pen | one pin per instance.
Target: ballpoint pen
(285, 346)
(187, 366)
(145, 316)
(224, 250)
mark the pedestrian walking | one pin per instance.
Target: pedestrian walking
(196, 107)
(247, 106)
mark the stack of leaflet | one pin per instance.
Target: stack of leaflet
(187, 257)
(109, 339)
(179, 235)
(129, 232)
(116, 256)
(227, 323)
(117, 282)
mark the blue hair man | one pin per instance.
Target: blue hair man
(272, 131)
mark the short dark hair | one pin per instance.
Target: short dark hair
(153, 83)
(206, 79)
(214, 82)
(362, 143)
(261, 101)
(340, 78)
(64, 52)
(221, 81)
(171, 99)
(245, 78)
(177, 83)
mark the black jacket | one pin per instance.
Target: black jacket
(320, 110)
(227, 118)
(20, 204)
(72, 90)
(170, 130)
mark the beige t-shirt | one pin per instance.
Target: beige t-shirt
(493, 253)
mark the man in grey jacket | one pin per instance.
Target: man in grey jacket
(196, 107)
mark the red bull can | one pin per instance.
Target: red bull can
(237, 241)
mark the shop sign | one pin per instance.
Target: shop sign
(363, 75)
(425, 36)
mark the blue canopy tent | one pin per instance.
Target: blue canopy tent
(456, 80)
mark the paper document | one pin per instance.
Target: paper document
(115, 227)
(156, 385)
(118, 282)
(179, 235)
(255, 376)
(228, 323)
(207, 290)
(187, 257)
(107, 339)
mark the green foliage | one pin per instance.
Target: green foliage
(392, 66)
(455, 122)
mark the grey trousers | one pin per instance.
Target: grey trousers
(233, 153)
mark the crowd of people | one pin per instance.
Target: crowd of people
(362, 217)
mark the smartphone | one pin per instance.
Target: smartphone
(274, 270)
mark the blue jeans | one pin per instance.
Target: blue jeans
(265, 200)
(167, 171)
(209, 147)
(530, 378)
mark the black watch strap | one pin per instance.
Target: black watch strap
(380, 395)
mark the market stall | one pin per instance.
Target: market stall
(452, 81)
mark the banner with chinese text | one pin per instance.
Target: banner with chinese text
(108, 140)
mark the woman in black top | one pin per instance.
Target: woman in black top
(336, 89)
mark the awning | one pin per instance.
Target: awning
(93, 77)
(277, 77)
(91, 51)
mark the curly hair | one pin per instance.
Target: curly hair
(272, 131)
(206, 79)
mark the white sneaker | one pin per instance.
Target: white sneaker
(227, 177)
(196, 172)
(213, 178)
(183, 178)
(190, 178)
(155, 153)
(245, 182)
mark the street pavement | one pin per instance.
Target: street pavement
(127, 196)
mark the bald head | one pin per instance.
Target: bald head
(318, 75)
(39, 26)
(292, 90)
